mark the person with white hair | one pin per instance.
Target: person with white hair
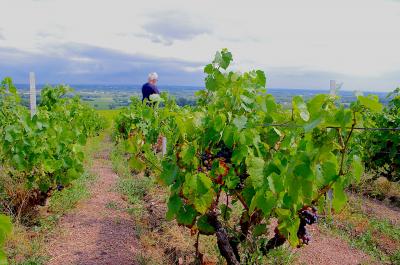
(150, 87)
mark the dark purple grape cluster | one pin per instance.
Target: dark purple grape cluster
(206, 159)
(276, 241)
(303, 234)
(308, 216)
(226, 153)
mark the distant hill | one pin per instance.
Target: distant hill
(281, 94)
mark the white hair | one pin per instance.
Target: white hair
(153, 76)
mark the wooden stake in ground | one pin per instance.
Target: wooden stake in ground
(32, 93)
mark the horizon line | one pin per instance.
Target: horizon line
(201, 87)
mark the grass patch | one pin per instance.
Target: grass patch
(119, 163)
(161, 241)
(395, 258)
(280, 256)
(112, 205)
(377, 237)
(385, 227)
(25, 246)
(65, 200)
(134, 188)
(379, 188)
(109, 115)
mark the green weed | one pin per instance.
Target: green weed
(280, 256)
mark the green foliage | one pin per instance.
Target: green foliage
(5, 229)
(381, 149)
(47, 148)
(239, 142)
(281, 256)
(66, 199)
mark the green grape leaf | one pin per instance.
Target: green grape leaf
(255, 168)
(186, 215)
(307, 188)
(270, 104)
(226, 212)
(261, 79)
(330, 171)
(369, 103)
(231, 180)
(9, 137)
(246, 99)
(260, 229)
(288, 227)
(239, 154)
(357, 168)
(301, 107)
(208, 69)
(303, 171)
(136, 163)
(275, 182)
(240, 122)
(282, 213)
(211, 84)
(219, 122)
(343, 117)
(204, 226)
(228, 135)
(72, 174)
(265, 201)
(188, 154)
(273, 136)
(198, 189)
(19, 162)
(248, 193)
(339, 196)
(223, 58)
(311, 125)
(169, 173)
(174, 205)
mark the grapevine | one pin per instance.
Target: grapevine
(43, 152)
(381, 148)
(230, 146)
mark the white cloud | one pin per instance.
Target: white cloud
(356, 38)
(1, 35)
(169, 26)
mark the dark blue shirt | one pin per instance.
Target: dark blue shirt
(149, 89)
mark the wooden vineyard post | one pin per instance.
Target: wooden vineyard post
(164, 146)
(32, 93)
(333, 87)
(329, 197)
(329, 194)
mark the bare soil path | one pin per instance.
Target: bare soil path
(377, 209)
(330, 249)
(97, 231)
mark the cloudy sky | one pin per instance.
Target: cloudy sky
(299, 44)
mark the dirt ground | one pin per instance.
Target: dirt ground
(328, 249)
(95, 232)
